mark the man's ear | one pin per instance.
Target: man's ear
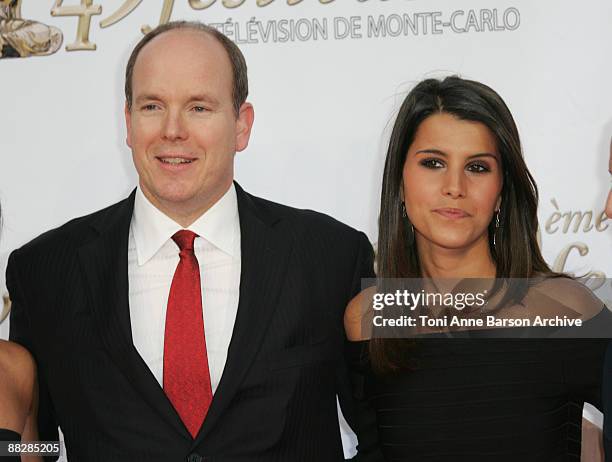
(128, 124)
(244, 123)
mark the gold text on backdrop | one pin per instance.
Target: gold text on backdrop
(21, 38)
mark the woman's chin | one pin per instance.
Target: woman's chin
(452, 241)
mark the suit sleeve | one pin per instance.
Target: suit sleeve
(355, 406)
(607, 402)
(21, 332)
(364, 268)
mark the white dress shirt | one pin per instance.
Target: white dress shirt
(152, 259)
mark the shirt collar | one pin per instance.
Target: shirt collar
(219, 225)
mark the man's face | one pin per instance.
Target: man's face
(182, 127)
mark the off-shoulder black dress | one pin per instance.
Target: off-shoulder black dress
(8, 435)
(471, 400)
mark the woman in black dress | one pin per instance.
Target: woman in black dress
(459, 202)
(18, 398)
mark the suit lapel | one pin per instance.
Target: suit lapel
(104, 262)
(264, 257)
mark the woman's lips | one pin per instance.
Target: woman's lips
(452, 213)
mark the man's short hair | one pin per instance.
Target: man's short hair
(240, 85)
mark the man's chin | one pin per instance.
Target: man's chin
(170, 197)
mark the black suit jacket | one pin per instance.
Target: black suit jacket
(276, 400)
(606, 389)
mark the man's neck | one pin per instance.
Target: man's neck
(185, 214)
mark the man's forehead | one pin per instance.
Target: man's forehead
(192, 44)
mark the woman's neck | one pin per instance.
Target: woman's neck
(474, 261)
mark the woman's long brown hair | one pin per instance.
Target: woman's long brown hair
(516, 253)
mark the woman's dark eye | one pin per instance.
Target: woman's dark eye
(478, 168)
(432, 163)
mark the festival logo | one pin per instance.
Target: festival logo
(20, 38)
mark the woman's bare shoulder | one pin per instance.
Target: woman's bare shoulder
(355, 314)
(564, 293)
(17, 385)
(17, 362)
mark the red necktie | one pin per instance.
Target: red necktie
(186, 375)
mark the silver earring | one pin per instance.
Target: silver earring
(496, 226)
(405, 217)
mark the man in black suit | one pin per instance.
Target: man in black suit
(106, 302)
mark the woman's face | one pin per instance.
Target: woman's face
(452, 181)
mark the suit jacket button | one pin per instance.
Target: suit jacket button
(195, 458)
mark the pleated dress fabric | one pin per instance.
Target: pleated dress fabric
(480, 400)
